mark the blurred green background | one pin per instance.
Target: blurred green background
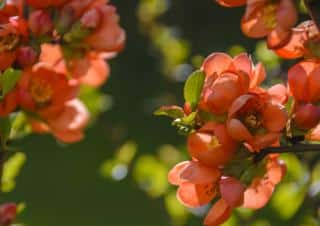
(86, 184)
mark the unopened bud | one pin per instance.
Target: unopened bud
(26, 56)
(40, 22)
(8, 213)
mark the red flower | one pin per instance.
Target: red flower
(304, 42)
(44, 91)
(197, 183)
(270, 18)
(68, 125)
(256, 119)
(107, 35)
(237, 75)
(260, 191)
(212, 145)
(304, 86)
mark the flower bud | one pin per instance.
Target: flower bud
(307, 116)
(40, 22)
(26, 56)
(8, 213)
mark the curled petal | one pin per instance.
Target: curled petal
(174, 174)
(238, 131)
(258, 194)
(278, 94)
(257, 76)
(298, 79)
(263, 141)
(278, 38)
(198, 173)
(196, 195)
(216, 63)
(243, 63)
(238, 104)
(276, 170)
(232, 191)
(274, 117)
(218, 214)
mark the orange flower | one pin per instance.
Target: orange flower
(270, 18)
(304, 86)
(212, 145)
(304, 42)
(232, 196)
(107, 35)
(44, 91)
(256, 119)
(223, 73)
(92, 70)
(68, 125)
(197, 183)
(260, 191)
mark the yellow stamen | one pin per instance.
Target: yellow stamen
(40, 91)
(269, 16)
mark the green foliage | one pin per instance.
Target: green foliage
(117, 167)
(266, 56)
(11, 170)
(151, 175)
(95, 100)
(170, 111)
(177, 212)
(8, 80)
(193, 88)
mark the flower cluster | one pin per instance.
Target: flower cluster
(231, 121)
(48, 50)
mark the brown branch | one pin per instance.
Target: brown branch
(313, 7)
(297, 148)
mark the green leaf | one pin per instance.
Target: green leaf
(170, 111)
(3, 3)
(11, 170)
(8, 80)
(193, 88)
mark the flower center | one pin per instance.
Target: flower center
(214, 142)
(269, 15)
(8, 42)
(252, 121)
(40, 91)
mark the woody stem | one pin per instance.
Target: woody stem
(313, 7)
(296, 148)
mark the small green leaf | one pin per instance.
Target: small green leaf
(3, 3)
(170, 111)
(193, 88)
(8, 80)
(11, 170)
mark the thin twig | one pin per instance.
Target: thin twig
(297, 148)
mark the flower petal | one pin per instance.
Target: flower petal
(174, 174)
(218, 214)
(216, 63)
(198, 173)
(196, 195)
